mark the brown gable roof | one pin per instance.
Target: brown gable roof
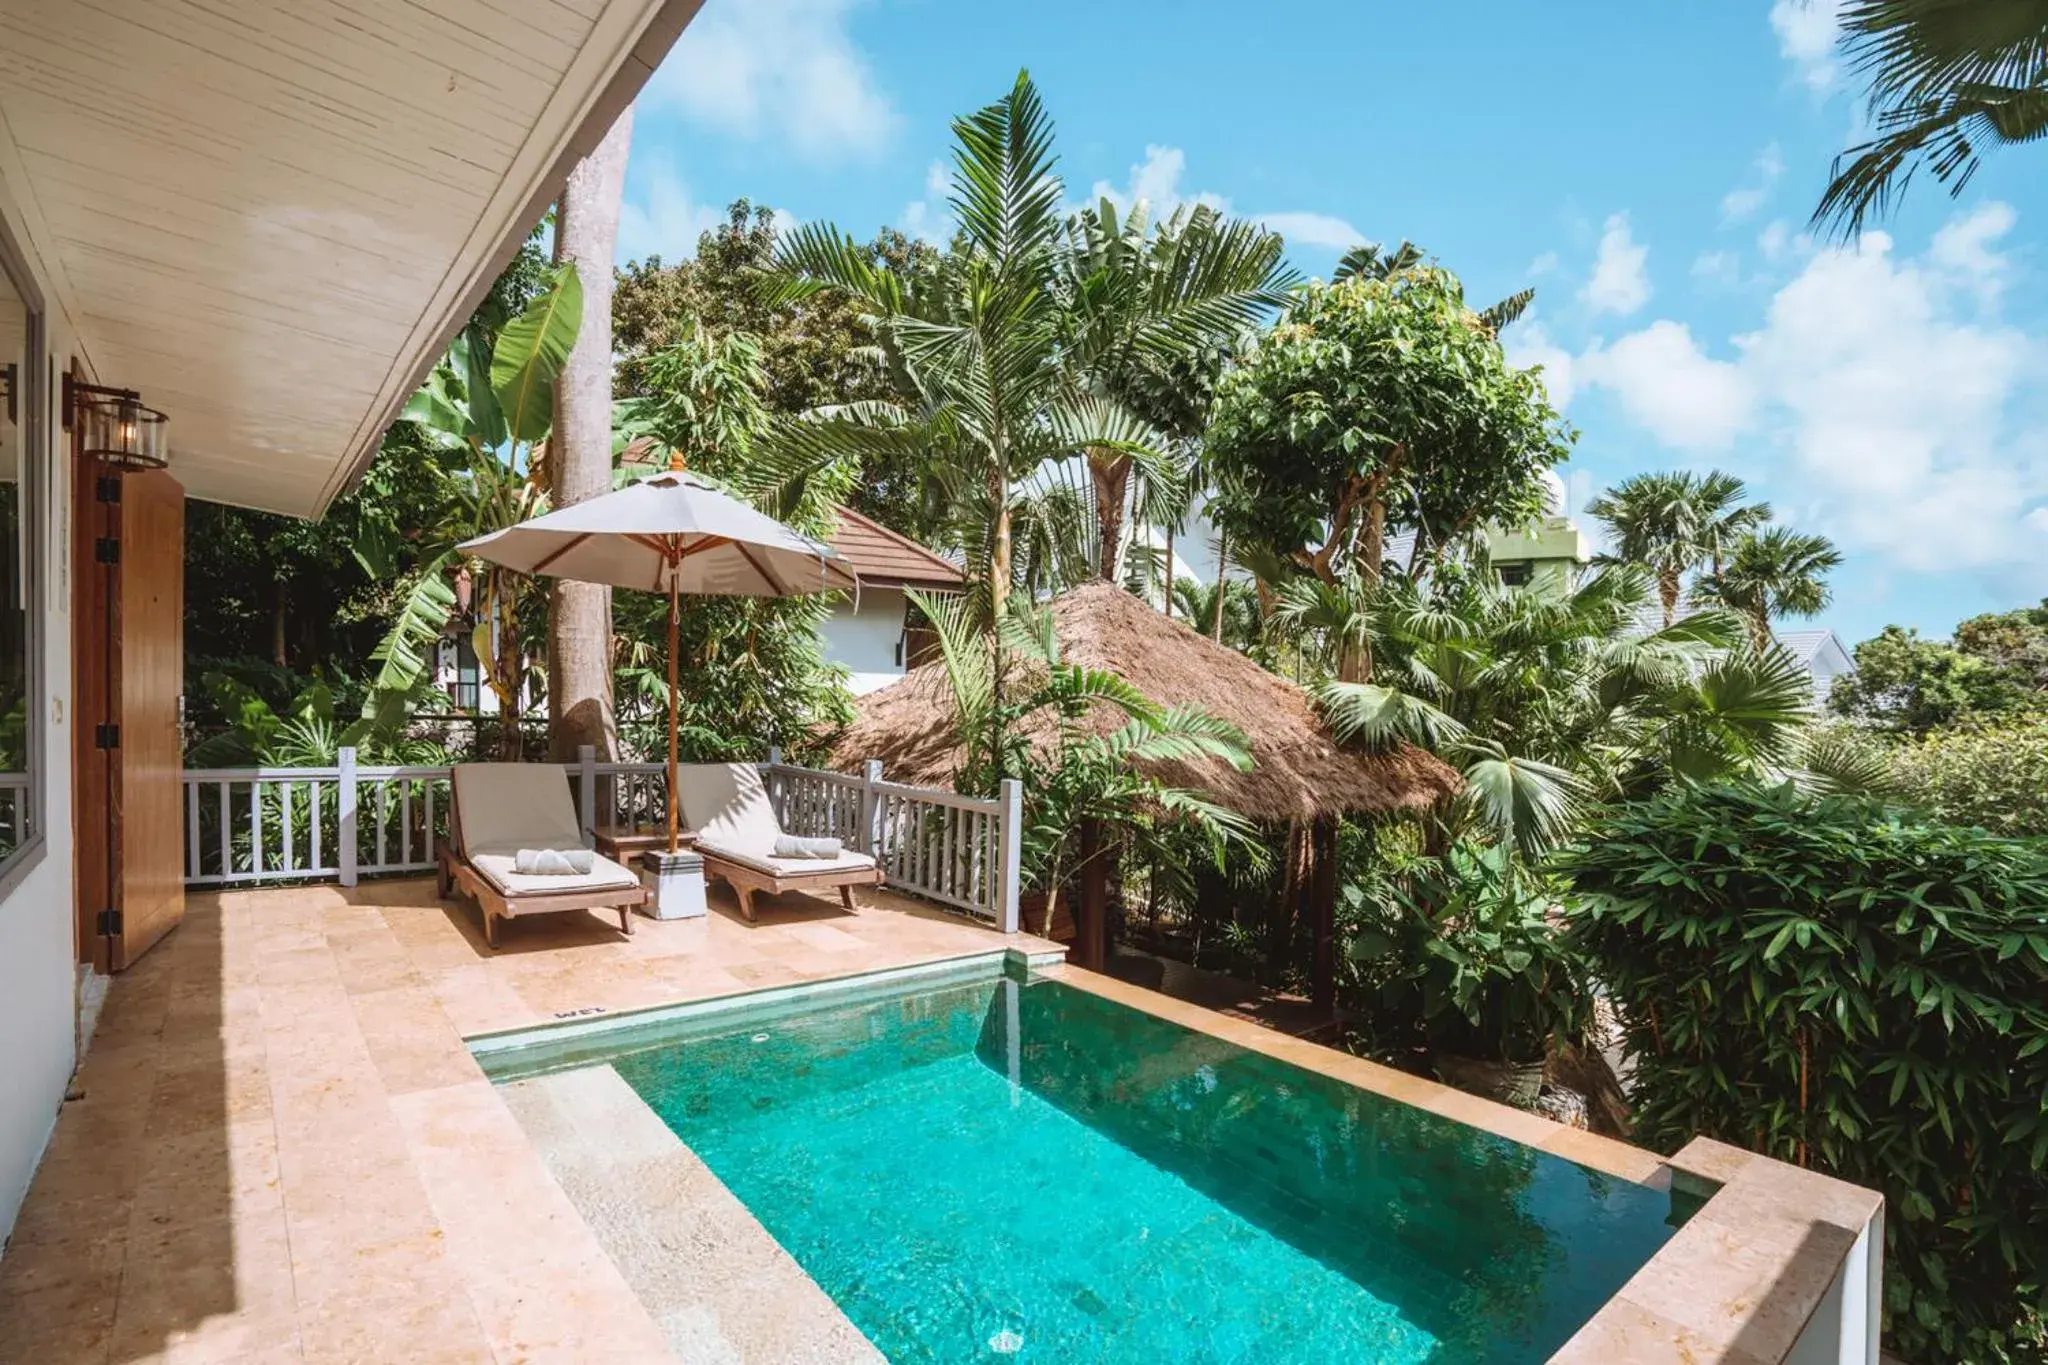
(1300, 770)
(884, 558)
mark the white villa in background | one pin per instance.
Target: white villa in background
(872, 634)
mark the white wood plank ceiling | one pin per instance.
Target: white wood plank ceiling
(268, 215)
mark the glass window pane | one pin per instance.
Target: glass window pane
(17, 377)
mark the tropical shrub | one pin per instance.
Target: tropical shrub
(1865, 992)
(1993, 776)
(1464, 948)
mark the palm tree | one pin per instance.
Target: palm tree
(978, 340)
(580, 701)
(1674, 522)
(1549, 698)
(1771, 573)
(1150, 314)
(1947, 78)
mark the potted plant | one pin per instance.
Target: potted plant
(1475, 955)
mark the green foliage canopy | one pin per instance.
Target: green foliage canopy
(1830, 982)
(1374, 405)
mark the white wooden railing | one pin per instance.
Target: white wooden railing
(257, 825)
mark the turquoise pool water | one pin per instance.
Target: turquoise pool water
(1007, 1171)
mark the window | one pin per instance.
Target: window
(466, 690)
(22, 408)
(1515, 575)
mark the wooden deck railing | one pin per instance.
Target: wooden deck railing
(249, 826)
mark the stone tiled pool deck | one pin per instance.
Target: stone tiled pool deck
(281, 1149)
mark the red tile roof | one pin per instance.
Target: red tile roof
(886, 559)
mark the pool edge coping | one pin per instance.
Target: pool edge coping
(496, 1042)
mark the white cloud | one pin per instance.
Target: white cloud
(1313, 229)
(658, 217)
(1776, 241)
(1806, 32)
(1746, 199)
(1966, 248)
(931, 218)
(1720, 268)
(782, 68)
(1620, 283)
(1528, 344)
(1880, 395)
(1671, 387)
(1155, 182)
(1545, 264)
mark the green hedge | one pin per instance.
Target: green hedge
(1840, 985)
(1994, 776)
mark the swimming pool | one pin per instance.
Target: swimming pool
(994, 1169)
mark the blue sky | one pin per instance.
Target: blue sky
(1649, 168)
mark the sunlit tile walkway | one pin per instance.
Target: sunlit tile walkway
(281, 1149)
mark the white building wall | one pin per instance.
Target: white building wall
(864, 636)
(38, 974)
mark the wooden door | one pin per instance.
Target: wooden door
(128, 660)
(149, 799)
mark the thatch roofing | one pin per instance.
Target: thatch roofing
(1299, 771)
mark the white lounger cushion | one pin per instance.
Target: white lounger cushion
(790, 868)
(604, 875)
(505, 807)
(728, 807)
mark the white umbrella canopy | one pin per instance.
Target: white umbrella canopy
(672, 533)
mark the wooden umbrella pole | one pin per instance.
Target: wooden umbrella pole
(673, 722)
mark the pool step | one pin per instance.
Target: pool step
(722, 1289)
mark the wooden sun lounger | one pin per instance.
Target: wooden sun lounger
(545, 819)
(728, 807)
(745, 881)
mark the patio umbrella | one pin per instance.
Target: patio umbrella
(672, 533)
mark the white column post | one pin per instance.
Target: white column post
(586, 789)
(870, 801)
(346, 803)
(1010, 844)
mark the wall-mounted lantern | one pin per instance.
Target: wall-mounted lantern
(114, 426)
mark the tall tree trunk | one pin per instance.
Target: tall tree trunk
(1222, 584)
(1354, 659)
(1111, 474)
(1322, 896)
(1760, 627)
(999, 548)
(580, 451)
(1169, 571)
(280, 596)
(1668, 585)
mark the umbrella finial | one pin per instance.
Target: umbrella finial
(675, 460)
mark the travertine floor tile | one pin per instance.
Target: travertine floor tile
(284, 1151)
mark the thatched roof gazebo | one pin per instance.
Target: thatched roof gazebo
(1301, 775)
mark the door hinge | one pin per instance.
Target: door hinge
(109, 923)
(106, 736)
(107, 488)
(106, 550)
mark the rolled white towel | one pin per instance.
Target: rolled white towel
(795, 846)
(554, 862)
